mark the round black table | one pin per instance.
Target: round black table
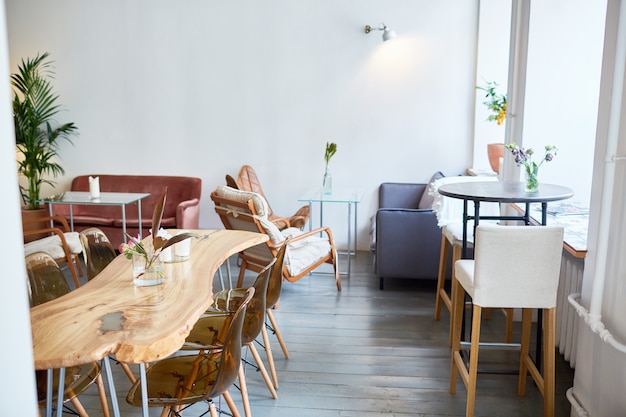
(502, 192)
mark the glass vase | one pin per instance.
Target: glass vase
(327, 183)
(532, 181)
(144, 274)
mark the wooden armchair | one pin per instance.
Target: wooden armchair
(59, 242)
(244, 210)
(247, 180)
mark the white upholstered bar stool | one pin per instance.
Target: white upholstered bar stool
(514, 267)
(449, 217)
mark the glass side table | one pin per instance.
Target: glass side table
(71, 198)
(349, 196)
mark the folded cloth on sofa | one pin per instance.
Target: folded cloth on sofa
(450, 209)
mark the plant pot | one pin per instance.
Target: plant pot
(29, 214)
(495, 151)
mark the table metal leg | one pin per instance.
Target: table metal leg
(112, 391)
(144, 390)
(349, 237)
(356, 206)
(139, 218)
(71, 219)
(465, 218)
(124, 222)
(61, 392)
(50, 380)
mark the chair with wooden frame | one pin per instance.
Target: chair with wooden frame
(231, 182)
(98, 252)
(271, 301)
(59, 242)
(306, 251)
(514, 267)
(181, 380)
(46, 282)
(205, 332)
(247, 180)
(272, 298)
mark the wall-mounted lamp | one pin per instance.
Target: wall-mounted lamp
(387, 33)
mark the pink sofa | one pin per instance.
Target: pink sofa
(182, 207)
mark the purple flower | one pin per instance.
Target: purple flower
(524, 156)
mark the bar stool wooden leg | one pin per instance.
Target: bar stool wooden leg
(456, 255)
(525, 346)
(508, 312)
(545, 383)
(549, 329)
(473, 362)
(457, 365)
(441, 278)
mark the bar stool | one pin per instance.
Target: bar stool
(449, 213)
(514, 267)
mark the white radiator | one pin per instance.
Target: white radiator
(566, 317)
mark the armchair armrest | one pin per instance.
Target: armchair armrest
(188, 214)
(303, 235)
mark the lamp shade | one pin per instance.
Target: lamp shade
(388, 34)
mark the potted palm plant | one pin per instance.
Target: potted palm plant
(37, 133)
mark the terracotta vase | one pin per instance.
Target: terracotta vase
(495, 151)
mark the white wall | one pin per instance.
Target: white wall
(17, 383)
(201, 87)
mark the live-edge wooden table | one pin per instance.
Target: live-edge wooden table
(109, 315)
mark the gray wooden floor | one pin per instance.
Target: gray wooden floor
(365, 352)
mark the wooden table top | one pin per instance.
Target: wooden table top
(110, 315)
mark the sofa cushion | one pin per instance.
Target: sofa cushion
(400, 195)
(426, 202)
(303, 253)
(52, 245)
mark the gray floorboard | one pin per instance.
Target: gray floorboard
(365, 352)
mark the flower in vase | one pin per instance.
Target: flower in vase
(331, 149)
(495, 102)
(160, 240)
(524, 157)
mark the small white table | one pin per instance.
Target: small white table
(106, 199)
(350, 196)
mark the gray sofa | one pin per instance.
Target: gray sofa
(405, 237)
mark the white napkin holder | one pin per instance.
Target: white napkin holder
(94, 187)
(182, 248)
